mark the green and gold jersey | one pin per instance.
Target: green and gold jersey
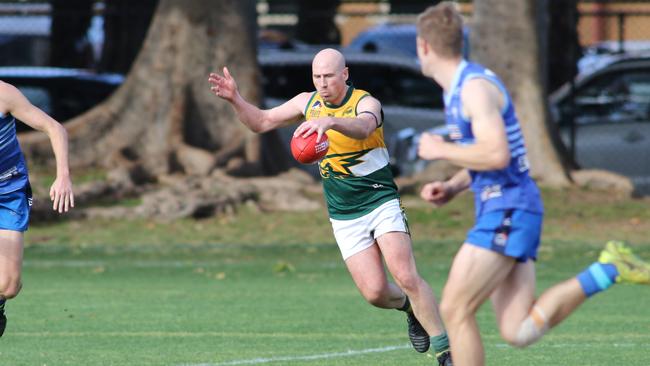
(356, 173)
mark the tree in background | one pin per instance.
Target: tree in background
(510, 47)
(125, 27)
(69, 46)
(316, 22)
(560, 42)
(164, 121)
(410, 6)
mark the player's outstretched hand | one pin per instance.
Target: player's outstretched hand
(61, 195)
(437, 193)
(223, 86)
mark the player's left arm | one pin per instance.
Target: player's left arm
(61, 191)
(482, 102)
(368, 119)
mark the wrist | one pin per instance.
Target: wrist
(63, 174)
(331, 123)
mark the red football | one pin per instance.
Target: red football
(306, 150)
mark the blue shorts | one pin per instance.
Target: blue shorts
(513, 233)
(14, 209)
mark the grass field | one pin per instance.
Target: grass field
(259, 288)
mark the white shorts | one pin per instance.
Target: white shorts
(355, 235)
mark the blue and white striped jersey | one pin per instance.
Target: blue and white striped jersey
(507, 188)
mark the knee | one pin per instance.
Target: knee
(453, 312)
(527, 333)
(510, 337)
(407, 281)
(374, 295)
(10, 287)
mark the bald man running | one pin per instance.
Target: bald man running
(363, 204)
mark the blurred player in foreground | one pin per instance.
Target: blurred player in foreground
(362, 199)
(496, 261)
(15, 191)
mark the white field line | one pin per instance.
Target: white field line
(322, 356)
(351, 353)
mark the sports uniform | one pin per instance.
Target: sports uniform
(508, 205)
(360, 192)
(15, 191)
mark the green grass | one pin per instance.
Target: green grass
(251, 285)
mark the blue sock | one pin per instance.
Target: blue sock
(597, 277)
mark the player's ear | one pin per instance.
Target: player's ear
(422, 45)
(346, 73)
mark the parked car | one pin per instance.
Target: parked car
(409, 99)
(601, 54)
(394, 39)
(61, 93)
(611, 112)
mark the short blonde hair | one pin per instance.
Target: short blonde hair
(441, 26)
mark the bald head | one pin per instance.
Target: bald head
(330, 74)
(330, 59)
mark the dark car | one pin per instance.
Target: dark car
(61, 93)
(408, 98)
(611, 116)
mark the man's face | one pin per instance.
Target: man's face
(329, 80)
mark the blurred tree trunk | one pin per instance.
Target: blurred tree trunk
(69, 46)
(164, 119)
(316, 22)
(563, 47)
(410, 6)
(504, 38)
(125, 26)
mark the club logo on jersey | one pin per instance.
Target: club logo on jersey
(348, 111)
(338, 166)
(490, 192)
(315, 110)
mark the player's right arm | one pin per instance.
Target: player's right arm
(14, 102)
(439, 192)
(256, 119)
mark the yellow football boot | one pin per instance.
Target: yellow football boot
(631, 268)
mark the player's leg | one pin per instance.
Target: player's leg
(11, 255)
(364, 262)
(390, 229)
(523, 321)
(520, 318)
(424, 321)
(474, 274)
(488, 257)
(367, 271)
(14, 219)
